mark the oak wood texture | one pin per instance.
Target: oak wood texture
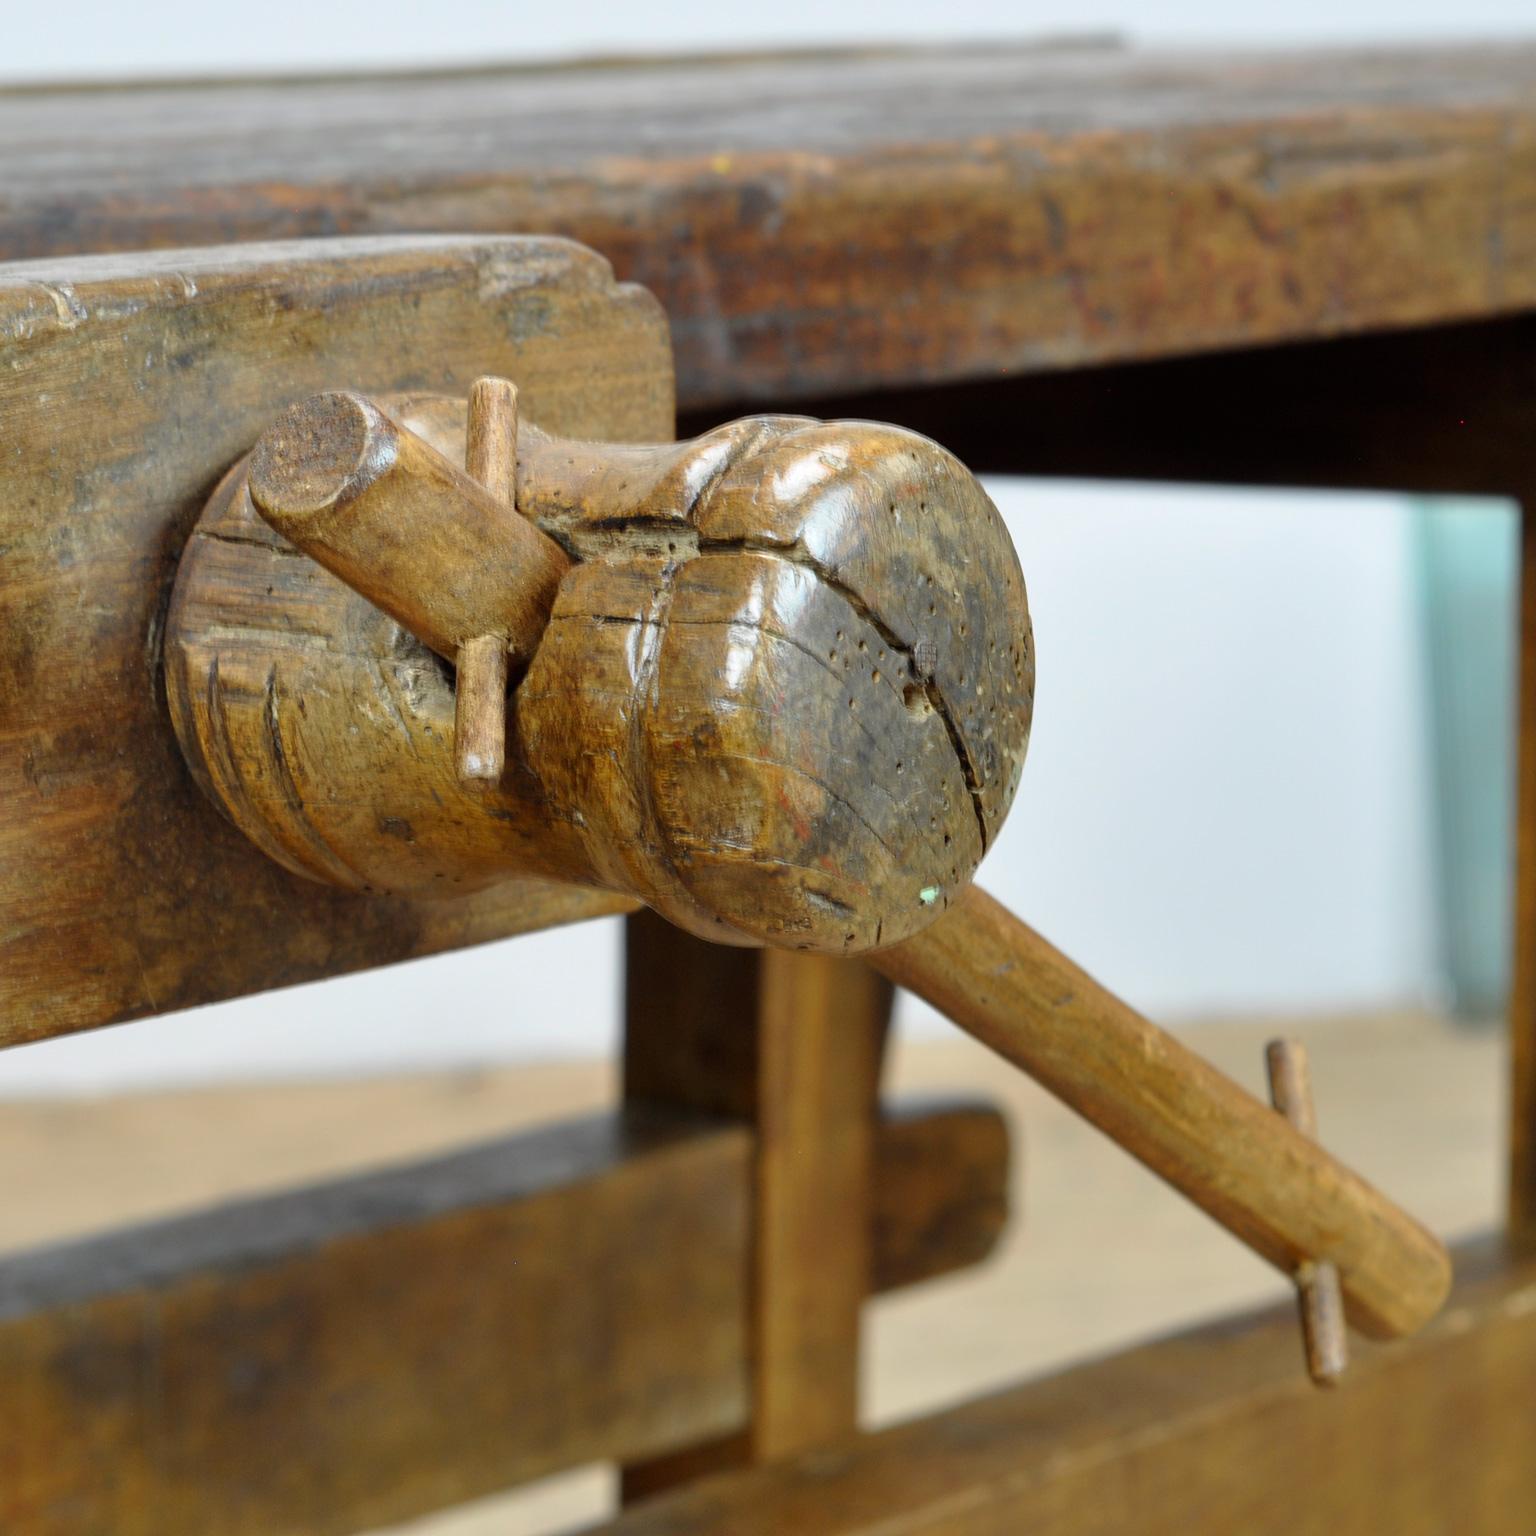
(1243, 1164)
(382, 1345)
(441, 553)
(783, 694)
(1212, 1430)
(843, 220)
(793, 1043)
(1320, 1299)
(128, 382)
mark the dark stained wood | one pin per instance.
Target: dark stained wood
(128, 384)
(1214, 1430)
(1272, 1187)
(940, 1190)
(419, 536)
(840, 221)
(1443, 408)
(363, 1351)
(690, 1012)
(332, 1361)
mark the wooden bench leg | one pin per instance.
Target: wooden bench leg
(794, 1044)
(1522, 1002)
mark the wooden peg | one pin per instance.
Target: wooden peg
(1319, 1293)
(480, 707)
(490, 445)
(480, 711)
(404, 526)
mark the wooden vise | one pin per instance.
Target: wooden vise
(776, 682)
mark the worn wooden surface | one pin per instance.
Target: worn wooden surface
(127, 385)
(794, 1044)
(783, 696)
(412, 530)
(1272, 1187)
(844, 220)
(365, 1350)
(1212, 1430)
(1445, 408)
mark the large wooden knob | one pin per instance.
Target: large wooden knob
(776, 681)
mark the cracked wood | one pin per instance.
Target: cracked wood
(783, 694)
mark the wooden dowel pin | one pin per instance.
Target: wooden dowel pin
(443, 551)
(1319, 1294)
(480, 712)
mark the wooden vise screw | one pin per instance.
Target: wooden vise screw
(775, 682)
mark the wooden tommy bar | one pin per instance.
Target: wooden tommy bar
(360, 602)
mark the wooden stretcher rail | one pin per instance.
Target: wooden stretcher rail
(850, 220)
(363, 1351)
(1217, 1429)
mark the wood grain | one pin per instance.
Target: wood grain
(821, 1036)
(1241, 1163)
(1212, 1430)
(480, 710)
(129, 383)
(381, 1345)
(793, 1043)
(844, 220)
(783, 695)
(730, 716)
(416, 534)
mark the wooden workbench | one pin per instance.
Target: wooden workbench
(1292, 269)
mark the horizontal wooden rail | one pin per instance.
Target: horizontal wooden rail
(1213, 1430)
(362, 1351)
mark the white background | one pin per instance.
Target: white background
(1227, 799)
(113, 38)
